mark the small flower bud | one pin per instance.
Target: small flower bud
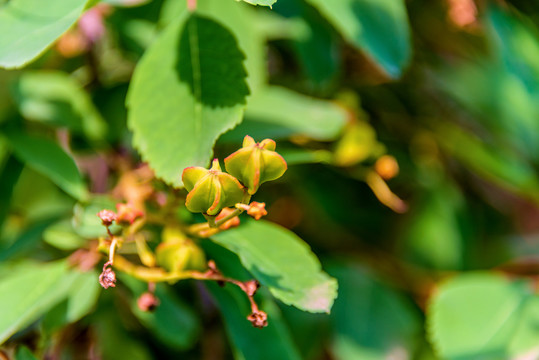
(211, 190)
(257, 210)
(255, 163)
(259, 319)
(108, 276)
(107, 217)
(127, 213)
(147, 302)
(177, 252)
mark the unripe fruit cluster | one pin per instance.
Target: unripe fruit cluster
(212, 190)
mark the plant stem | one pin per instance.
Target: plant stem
(207, 229)
(112, 250)
(228, 217)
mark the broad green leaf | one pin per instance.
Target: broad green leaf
(309, 331)
(62, 236)
(8, 178)
(114, 339)
(23, 353)
(28, 292)
(47, 158)
(378, 27)
(172, 322)
(371, 321)
(36, 197)
(299, 114)
(81, 298)
(56, 98)
(498, 164)
(283, 262)
(483, 316)
(187, 90)
(516, 41)
(271, 342)
(29, 27)
(25, 241)
(82, 295)
(433, 237)
(242, 20)
(477, 87)
(261, 2)
(317, 49)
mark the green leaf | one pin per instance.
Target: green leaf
(516, 41)
(29, 27)
(81, 298)
(23, 353)
(299, 114)
(28, 292)
(371, 320)
(47, 158)
(271, 342)
(8, 178)
(113, 337)
(378, 27)
(261, 2)
(189, 88)
(433, 237)
(36, 197)
(242, 20)
(495, 163)
(172, 322)
(283, 262)
(82, 295)
(316, 44)
(25, 241)
(483, 316)
(62, 236)
(477, 86)
(56, 98)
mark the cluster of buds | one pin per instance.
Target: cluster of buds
(211, 191)
(127, 214)
(220, 196)
(178, 253)
(255, 163)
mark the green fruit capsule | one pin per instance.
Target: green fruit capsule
(211, 190)
(255, 163)
(179, 253)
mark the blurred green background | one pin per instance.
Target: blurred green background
(411, 130)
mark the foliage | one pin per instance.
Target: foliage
(390, 145)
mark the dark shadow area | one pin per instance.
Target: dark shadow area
(268, 280)
(210, 62)
(375, 17)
